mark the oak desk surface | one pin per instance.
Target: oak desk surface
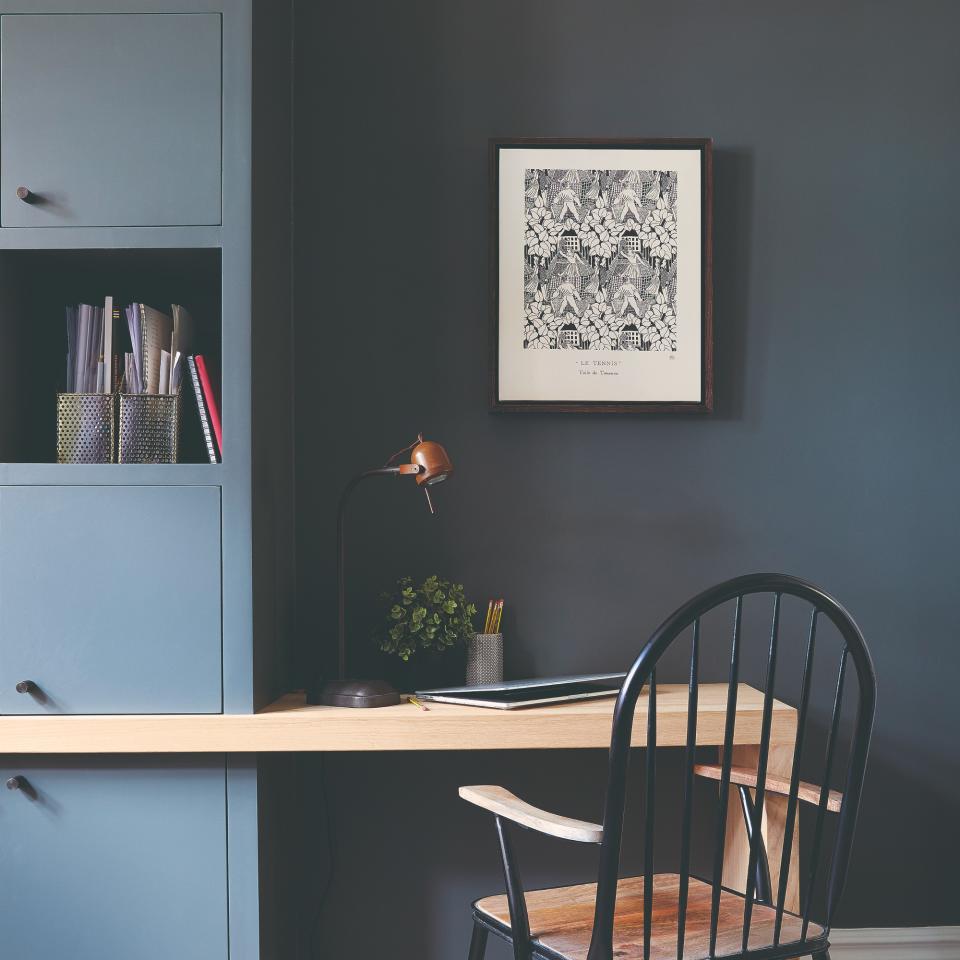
(289, 725)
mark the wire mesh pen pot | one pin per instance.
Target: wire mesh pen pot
(86, 427)
(484, 658)
(149, 428)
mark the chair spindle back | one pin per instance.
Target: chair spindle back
(644, 670)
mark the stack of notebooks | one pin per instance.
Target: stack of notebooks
(160, 344)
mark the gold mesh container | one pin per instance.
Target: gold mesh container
(85, 427)
(149, 428)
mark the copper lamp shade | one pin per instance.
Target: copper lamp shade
(433, 460)
(430, 463)
(434, 463)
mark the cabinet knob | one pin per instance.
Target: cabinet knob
(26, 686)
(26, 195)
(17, 783)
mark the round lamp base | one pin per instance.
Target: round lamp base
(357, 693)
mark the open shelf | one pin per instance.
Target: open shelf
(109, 474)
(36, 286)
(109, 238)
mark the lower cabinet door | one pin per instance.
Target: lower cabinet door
(110, 600)
(113, 859)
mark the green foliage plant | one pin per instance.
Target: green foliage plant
(431, 616)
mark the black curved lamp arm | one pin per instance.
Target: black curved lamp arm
(341, 590)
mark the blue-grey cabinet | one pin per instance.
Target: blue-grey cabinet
(147, 588)
(110, 119)
(110, 599)
(106, 859)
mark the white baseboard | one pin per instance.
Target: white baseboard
(896, 943)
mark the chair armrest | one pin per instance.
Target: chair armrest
(504, 804)
(745, 777)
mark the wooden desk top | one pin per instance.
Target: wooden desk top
(289, 725)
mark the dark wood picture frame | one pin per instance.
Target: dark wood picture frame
(701, 406)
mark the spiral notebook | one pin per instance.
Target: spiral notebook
(208, 434)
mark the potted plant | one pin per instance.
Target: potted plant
(423, 633)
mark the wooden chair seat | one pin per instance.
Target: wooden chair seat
(561, 920)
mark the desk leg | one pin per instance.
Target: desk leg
(737, 847)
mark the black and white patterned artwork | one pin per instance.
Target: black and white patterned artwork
(600, 260)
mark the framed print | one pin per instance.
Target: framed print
(601, 296)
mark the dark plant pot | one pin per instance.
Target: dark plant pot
(426, 669)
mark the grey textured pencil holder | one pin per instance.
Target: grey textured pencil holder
(85, 427)
(149, 428)
(484, 658)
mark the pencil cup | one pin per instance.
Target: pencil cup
(149, 427)
(484, 658)
(85, 427)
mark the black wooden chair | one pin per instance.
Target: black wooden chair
(680, 916)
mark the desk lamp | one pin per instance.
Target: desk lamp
(430, 464)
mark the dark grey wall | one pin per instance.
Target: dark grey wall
(833, 453)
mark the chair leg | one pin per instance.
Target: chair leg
(478, 943)
(825, 955)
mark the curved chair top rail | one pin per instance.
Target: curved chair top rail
(643, 671)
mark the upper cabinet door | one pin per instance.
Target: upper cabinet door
(110, 119)
(110, 600)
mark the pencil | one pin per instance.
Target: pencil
(497, 616)
(417, 702)
(488, 621)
